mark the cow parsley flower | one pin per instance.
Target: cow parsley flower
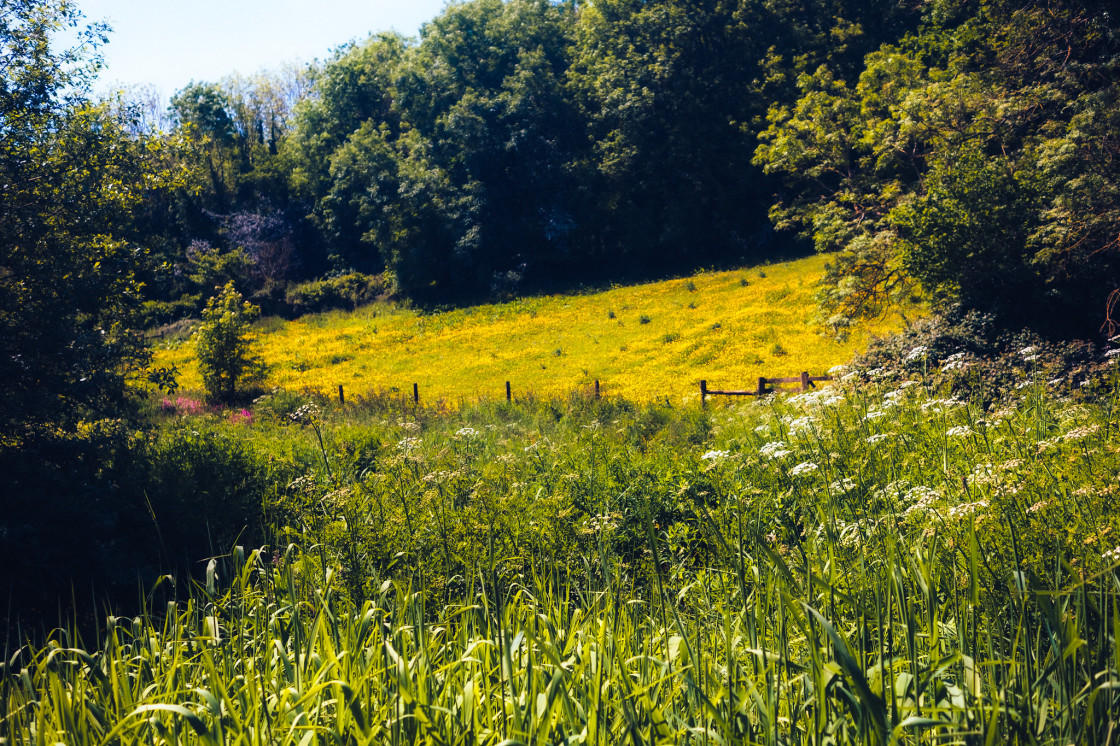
(774, 449)
(918, 352)
(807, 467)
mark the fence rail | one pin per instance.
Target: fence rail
(765, 386)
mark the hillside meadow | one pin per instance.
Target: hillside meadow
(642, 342)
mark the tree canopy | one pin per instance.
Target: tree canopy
(70, 175)
(958, 150)
(971, 159)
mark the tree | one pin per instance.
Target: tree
(975, 158)
(224, 344)
(70, 177)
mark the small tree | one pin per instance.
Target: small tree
(224, 344)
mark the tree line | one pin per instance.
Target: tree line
(959, 149)
(514, 146)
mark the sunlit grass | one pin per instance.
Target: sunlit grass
(642, 342)
(872, 563)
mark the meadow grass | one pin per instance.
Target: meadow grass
(642, 342)
(870, 563)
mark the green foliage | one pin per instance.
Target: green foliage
(224, 345)
(866, 563)
(206, 491)
(71, 176)
(347, 292)
(955, 163)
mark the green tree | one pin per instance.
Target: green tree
(973, 158)
(225, 342)
(71, 176)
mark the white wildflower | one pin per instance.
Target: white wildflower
(847, 484)
(878, 438)
(799, 425)
(408, 445)
(836, 370)
(954, 363)
(1080, 433)
(967, 509)
(807, 467)
(941, 404)
(466, 432)
(874, 414)
(306, 413)
(774, 449)
(1112, 353)
(918, 352)
(715, 455)
(1112, 555)
(960, 431)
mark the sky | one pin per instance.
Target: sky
(169, 43)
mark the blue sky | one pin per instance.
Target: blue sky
(168, 43)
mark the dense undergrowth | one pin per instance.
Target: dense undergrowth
(871, 562)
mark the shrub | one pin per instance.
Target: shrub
(344, 292)
(207, 491)
(972, 354)
(224, 343)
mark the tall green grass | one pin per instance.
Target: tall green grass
(865, 564)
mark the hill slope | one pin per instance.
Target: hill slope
(642, 342)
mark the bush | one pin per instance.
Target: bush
(344, 292)
(224, 343)
(971, 354)
(206, 491)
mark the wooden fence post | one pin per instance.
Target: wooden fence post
(341, 396)
(509, 396)
(806, 384)
(596, 389)
(415, 393)
(761, 386)
(703, 394)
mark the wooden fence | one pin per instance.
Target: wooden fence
(765, 386)
(416, 392)
(804, 382)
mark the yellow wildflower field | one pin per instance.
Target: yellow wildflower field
(642, 342)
